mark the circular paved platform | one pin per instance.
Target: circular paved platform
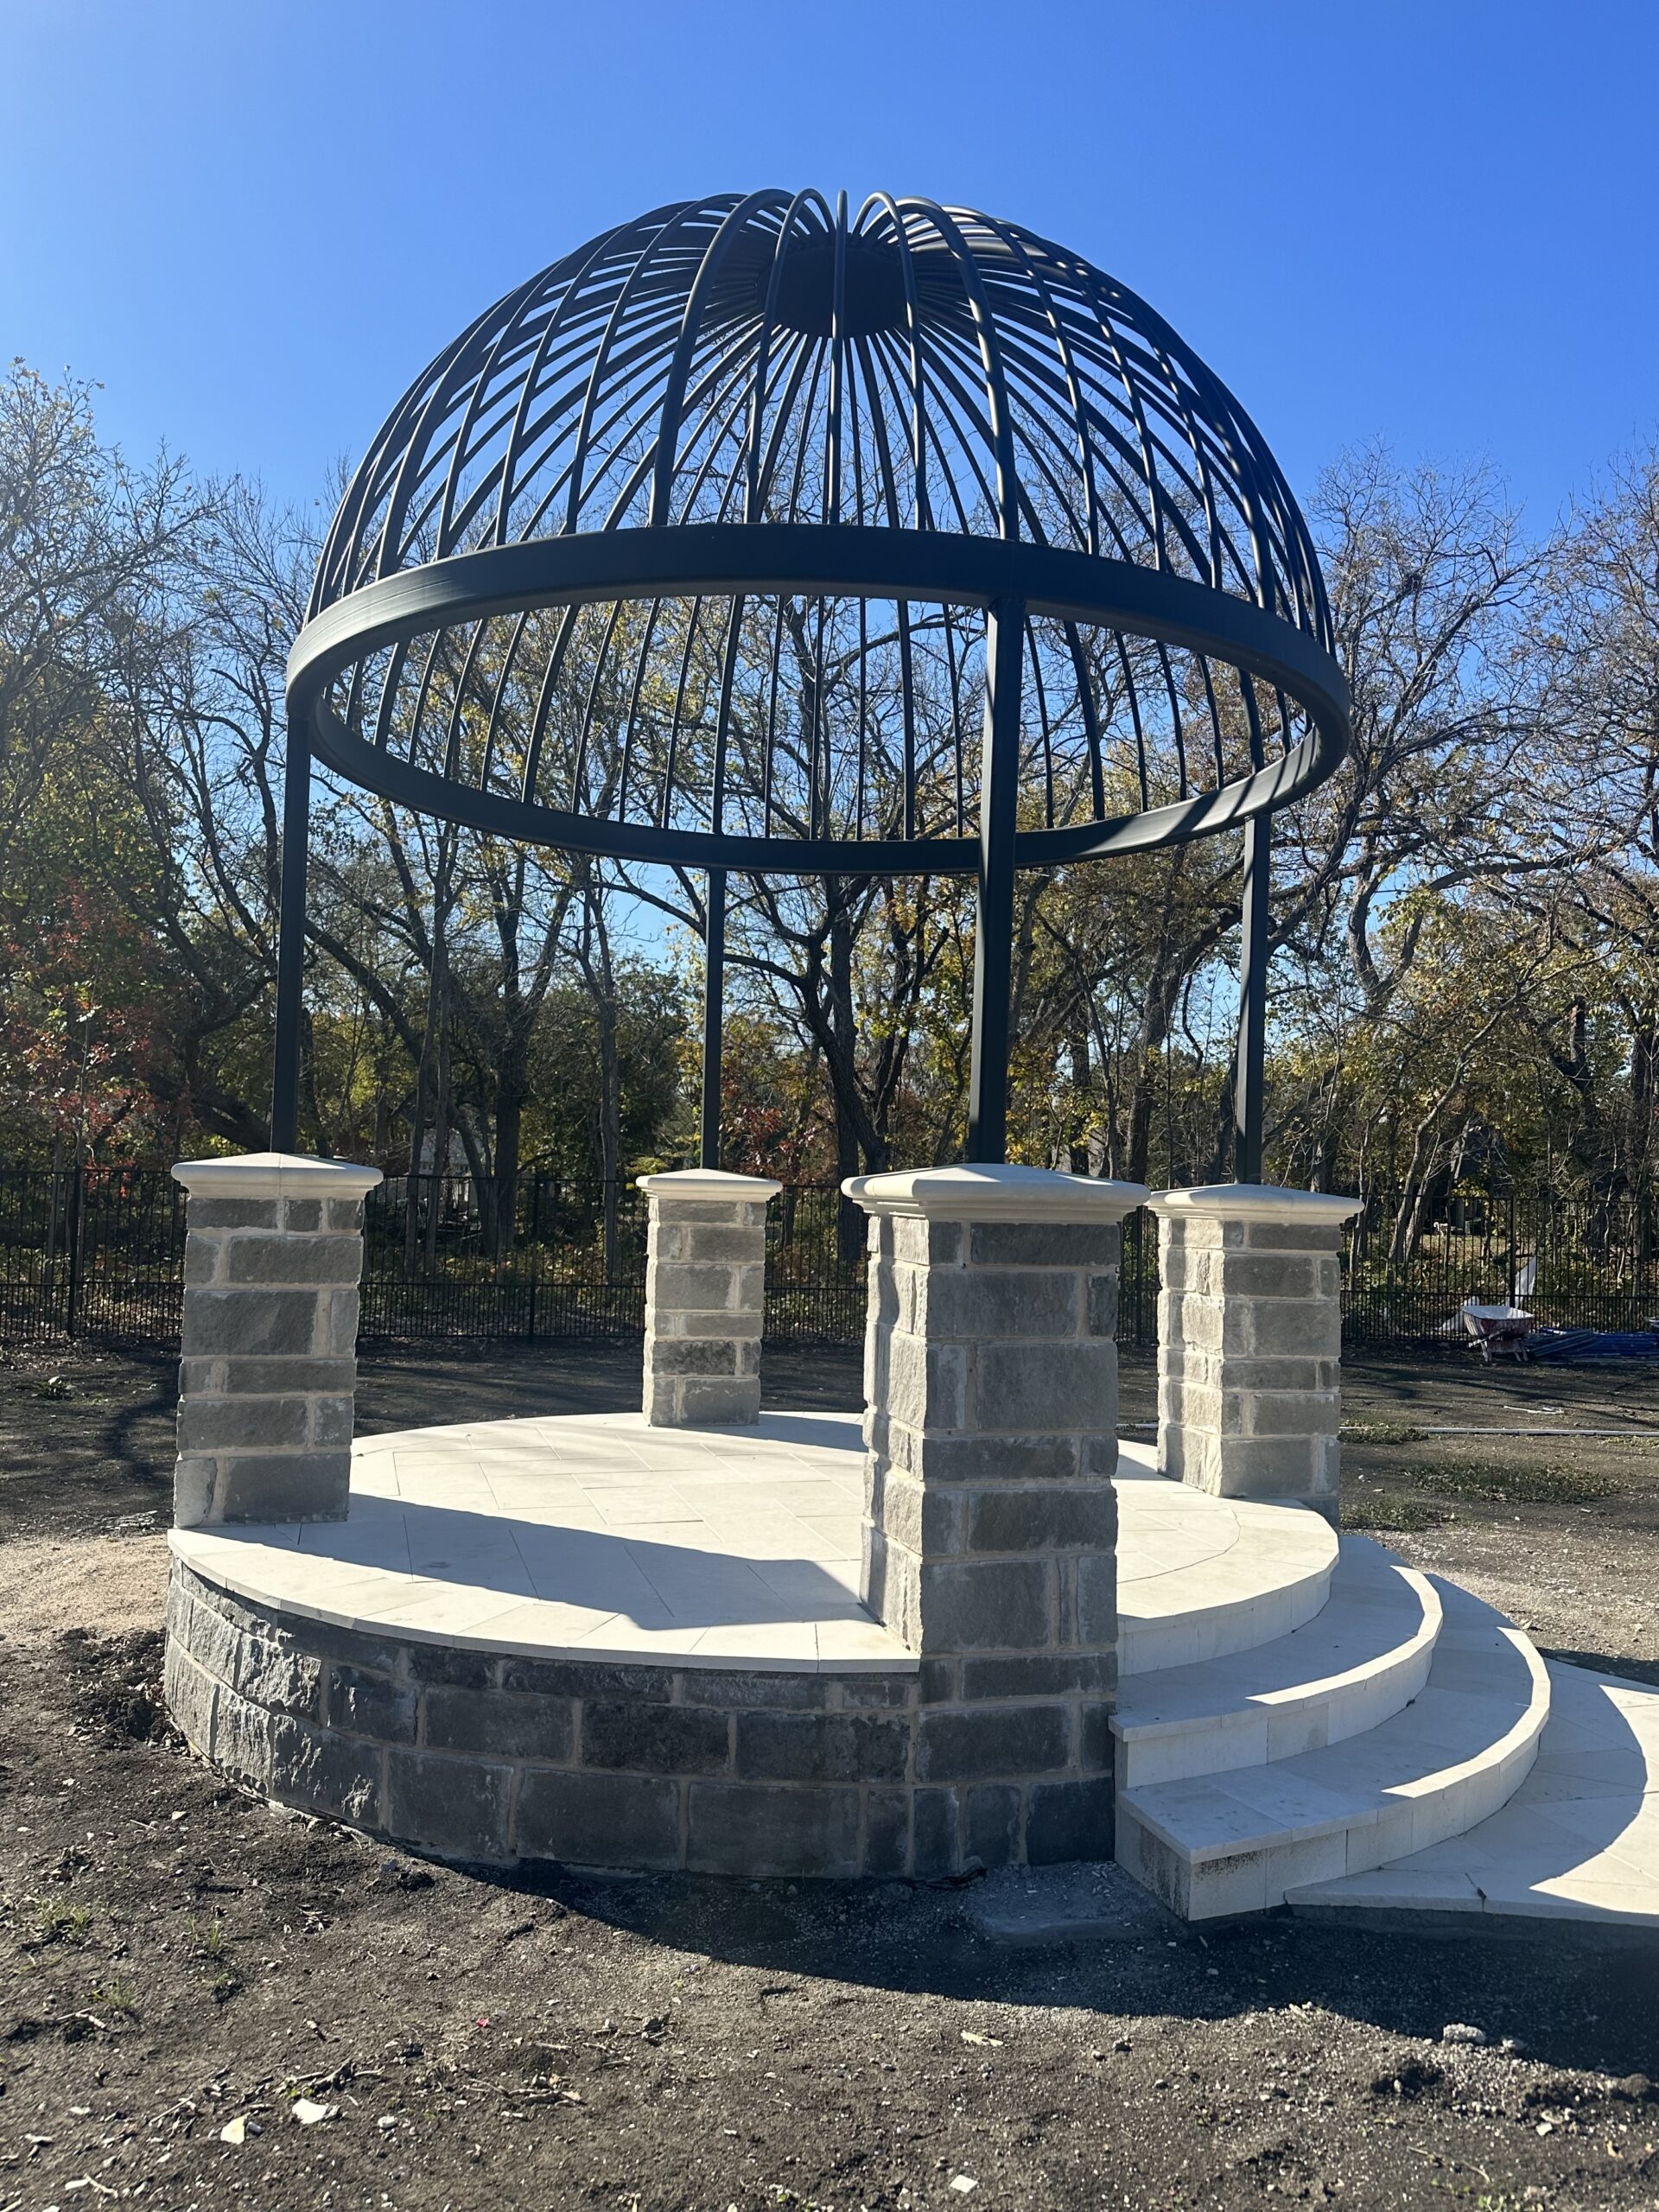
(591, 1538)
(600, 1538)
(592, 1640)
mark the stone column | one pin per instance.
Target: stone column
(1250, 1341)
(705, 1296)
(990, 1520)
(272, 1257)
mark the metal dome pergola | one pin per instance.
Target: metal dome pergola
(755, 535)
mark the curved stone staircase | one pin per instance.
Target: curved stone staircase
(1305, 1720)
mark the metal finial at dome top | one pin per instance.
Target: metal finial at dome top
(756, 534)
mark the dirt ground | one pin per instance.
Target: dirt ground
(178, 1966)
(1558, 1527)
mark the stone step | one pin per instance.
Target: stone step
(1361, 1658)
(1579, 1842)
(1200, 1577)
(1236, 1842)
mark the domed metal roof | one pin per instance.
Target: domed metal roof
(679, 553)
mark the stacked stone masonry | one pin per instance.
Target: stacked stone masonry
(1250, 1341)
(990, 1519)
(268, 1374)
(485, 1757)
(990, 1523)
(705, 1298)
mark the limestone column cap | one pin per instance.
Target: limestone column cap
(275, 1174)
(1256, 1202)
(712, 1186)
(1009, 1193)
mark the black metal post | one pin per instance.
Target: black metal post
(714, 1014)
(77, 1237)
(988, 1078)
(290, 945)
(1247, 1067)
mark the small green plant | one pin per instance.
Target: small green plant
(1396, 1510)
(1383, 1431)
(117, 1996)
(62, 1924)
(208, 1942)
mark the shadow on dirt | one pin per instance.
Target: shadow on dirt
(1577, 2007)
(402, 1389)
(1603, 1662)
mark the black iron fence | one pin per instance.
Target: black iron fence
(572, 1262)
(99, 1253)
(90, 1252)
(1573, 1263)
(443, 1259)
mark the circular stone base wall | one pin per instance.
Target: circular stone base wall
(489, 1756)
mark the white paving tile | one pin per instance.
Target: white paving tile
(1579, 1839)
(435, 1609)
(807, 1581)
(778, 1646)
(854, 1643)
(1200, 1578)
(1439, 1765)
(596, 1536)
(739, 1537)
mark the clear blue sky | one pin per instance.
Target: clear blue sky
(254, 220)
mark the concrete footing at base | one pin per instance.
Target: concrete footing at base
(488, 1757)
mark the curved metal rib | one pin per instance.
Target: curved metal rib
(756, 398)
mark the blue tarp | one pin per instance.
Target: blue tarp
(1593, 1344)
